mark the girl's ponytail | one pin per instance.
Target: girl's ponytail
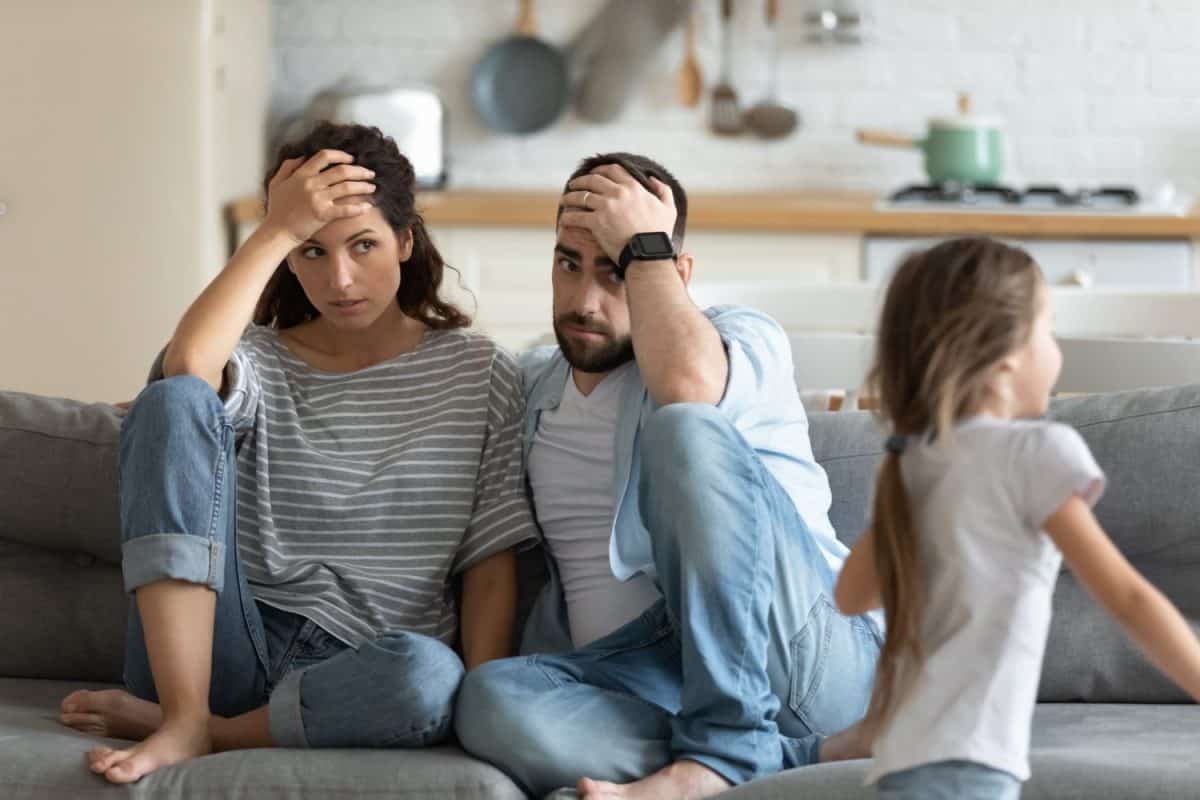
(899, 583)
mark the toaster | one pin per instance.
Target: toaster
(414, 116)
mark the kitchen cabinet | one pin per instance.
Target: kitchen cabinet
(759, 245)
(128, 125)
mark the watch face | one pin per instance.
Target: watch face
(655, 245)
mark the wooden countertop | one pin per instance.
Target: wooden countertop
(793, 212)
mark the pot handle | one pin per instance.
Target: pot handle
(527, 22)
(886, 139)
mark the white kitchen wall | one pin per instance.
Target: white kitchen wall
(1092, 91)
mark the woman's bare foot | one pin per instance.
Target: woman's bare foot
(848, 744)
(111, 713)
(177, 740)
(683, 780)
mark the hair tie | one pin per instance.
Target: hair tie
(895, 444)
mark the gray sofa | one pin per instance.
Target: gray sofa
(1108, 725)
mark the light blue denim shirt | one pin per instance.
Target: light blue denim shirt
(762, 401)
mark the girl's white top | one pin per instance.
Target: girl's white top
(979, 500)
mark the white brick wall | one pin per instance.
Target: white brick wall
(1092, 91)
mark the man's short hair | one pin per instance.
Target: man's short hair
(642, 169)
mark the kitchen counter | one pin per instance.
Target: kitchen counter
(795, 212)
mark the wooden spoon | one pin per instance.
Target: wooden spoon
(691, 80)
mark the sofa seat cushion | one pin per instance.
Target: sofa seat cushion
(42, 760)
(1081, 751)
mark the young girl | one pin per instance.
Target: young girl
(296, 592)
(977, 503)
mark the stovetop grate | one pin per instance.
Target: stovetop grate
(1037, 196)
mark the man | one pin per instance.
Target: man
(695, 644)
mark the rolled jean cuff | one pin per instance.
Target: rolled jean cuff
(284, 715)
(173, 556)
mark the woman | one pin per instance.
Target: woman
(296, 592)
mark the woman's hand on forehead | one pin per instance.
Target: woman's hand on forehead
(307, 194)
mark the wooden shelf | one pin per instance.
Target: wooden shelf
(791, 212)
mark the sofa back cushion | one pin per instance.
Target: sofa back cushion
(58, 467)
(849, 446)
(59, 532)
(1148, 443)
(64, 615)
(60, 540)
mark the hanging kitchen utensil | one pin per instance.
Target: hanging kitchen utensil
(521, 84)
(614, 49)
(770, 119)
(726, 116)
(691, 81)
(966, 149)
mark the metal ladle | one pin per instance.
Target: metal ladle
(770, 119)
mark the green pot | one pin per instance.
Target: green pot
(964, 149)
(959, 154)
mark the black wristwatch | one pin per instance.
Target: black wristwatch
(655, 246)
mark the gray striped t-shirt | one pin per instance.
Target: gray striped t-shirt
(360, 494)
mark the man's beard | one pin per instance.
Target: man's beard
(605, 358)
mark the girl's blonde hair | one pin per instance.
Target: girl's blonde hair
(951, 313)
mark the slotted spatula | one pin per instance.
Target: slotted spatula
(726, 115)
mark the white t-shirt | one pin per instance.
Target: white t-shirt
(979, 501)
(571, 472)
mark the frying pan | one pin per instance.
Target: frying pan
(521, 84)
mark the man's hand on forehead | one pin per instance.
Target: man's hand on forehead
(612, 206)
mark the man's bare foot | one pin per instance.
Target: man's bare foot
(111, 713)
(177, 740)
(846, 745)
(683, 780)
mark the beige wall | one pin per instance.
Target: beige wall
(126, 125)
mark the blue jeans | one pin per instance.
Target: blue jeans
(949, 780)
(178, 521)
(744, 665)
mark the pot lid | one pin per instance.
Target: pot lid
(965, 120)
(965, 123)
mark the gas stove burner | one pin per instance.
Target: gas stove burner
(957, 194)
(1103, 197)
(1034, 196)
(1047, 196)
(1115, 196)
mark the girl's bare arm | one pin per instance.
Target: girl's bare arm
(857, 590)
(1144, 612)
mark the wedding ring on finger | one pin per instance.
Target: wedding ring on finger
(583, 203)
